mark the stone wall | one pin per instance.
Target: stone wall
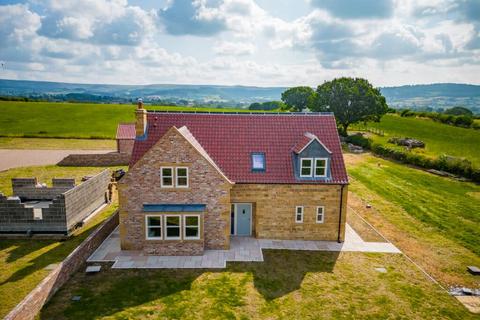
(141, 185)
(125, 145)
(274, 210)
(31, 305)
(96, 160)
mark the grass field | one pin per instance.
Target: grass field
(432, 219)
(72, 120)
(439, 138)
(288, 285)
(51, 143)
(23, 262)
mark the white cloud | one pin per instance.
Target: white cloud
(234, 48)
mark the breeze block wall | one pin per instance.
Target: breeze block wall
(85, 198)
(207, 186)
(62, 214)
(274, 210)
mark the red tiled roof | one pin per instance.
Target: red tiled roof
(230, 139)
(126, 131)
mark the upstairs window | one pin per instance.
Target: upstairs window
(320, 214)
(306, 167)
(258, 161)
(321, 167)
(298, 214)
(182, 177)
(166, 177)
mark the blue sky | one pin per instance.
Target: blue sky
(247, 42)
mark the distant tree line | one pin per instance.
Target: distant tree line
(269, 105)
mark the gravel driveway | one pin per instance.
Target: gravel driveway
(13, 158)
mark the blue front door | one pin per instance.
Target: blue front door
(244, 219)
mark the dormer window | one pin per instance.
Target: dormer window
(306, 167)
(258, 161)
(313, 167)
(321, 167)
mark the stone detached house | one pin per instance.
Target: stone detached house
(196, 179)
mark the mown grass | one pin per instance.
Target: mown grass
(72, 120)
(55, 144)
(23, 261)
(434, 220)
(288, 285)
(439, 138)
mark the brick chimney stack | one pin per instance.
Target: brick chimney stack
(141, 119)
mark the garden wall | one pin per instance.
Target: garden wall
(96, 160)
(31, 305)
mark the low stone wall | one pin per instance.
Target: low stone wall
(31, 305)
(96, 160)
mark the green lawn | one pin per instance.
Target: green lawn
(434, 219)
(288, 285)
(23, 262)
(439, 138)
(51, 143)
(72, 120)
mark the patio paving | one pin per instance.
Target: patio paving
(241, 249)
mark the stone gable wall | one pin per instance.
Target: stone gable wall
(274, 210)
(142, 185)
(125, 145)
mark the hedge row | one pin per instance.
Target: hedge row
(457, 166)
(463, 121)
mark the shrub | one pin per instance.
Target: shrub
(407, 113)
(463, 121)
(359, 140)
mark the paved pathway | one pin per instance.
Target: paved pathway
(241, 249)
(13, 158)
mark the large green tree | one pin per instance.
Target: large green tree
(351, 100)
(298, 98)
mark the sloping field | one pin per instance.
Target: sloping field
(439, 138)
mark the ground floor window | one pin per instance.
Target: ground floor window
(154, 227)
(298, 214)
(191, 225)
(320, 214)
(172, 227)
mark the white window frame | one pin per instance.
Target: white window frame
(323, 214)
(312, 167)
(315, 168)
(296, 214)
(166, 237)
(176, 177)
(147, 227)
(185, 226)
(161, 178)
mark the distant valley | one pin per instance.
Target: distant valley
(431, 96)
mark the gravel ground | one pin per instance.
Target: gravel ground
(14, 158)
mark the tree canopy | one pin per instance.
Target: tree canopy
(298, 98)
(351, 100)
